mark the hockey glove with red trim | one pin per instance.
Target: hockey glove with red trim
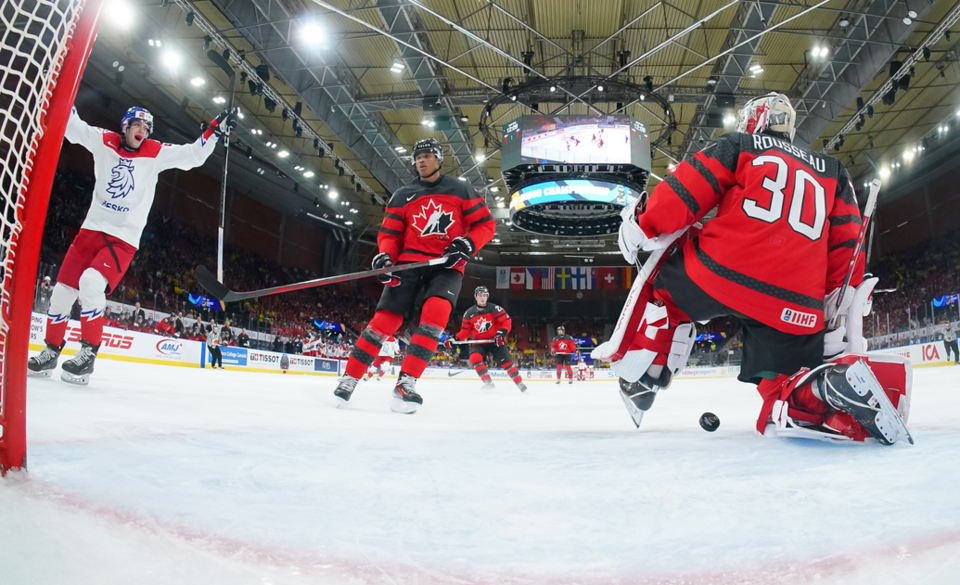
(501, 338)
(448, 343)
(225, 123)
(459, 252)
(383, 260)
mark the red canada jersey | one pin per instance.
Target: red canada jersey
(786, 226)
(422, 218)
(563, 345)
(483, 322)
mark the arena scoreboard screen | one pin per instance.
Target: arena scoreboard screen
(589, 140)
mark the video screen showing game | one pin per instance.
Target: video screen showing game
(607, 139)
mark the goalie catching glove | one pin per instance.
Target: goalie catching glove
(383, 260)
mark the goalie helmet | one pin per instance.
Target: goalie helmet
(771, 112)
(427, 145)
(481, 290)
(137, 114)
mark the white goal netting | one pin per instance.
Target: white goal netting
(35, 39)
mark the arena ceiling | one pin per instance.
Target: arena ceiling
(361, 78)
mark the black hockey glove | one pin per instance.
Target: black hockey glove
(383, 260)
(225, 122)
(460, 250)
(501, 338)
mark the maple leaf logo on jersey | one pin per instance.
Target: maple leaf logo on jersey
(482, 324)
(121, 179)
(433, 220)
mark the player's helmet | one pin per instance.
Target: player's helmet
(770, 112)
(137, 114)
(427, 145)
(481, 290)
(560, 330)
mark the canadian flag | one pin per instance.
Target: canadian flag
(518, 278)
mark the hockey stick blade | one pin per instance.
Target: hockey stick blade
(220, 291)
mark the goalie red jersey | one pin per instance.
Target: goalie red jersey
(484, 322)
(421, 219)
(786, 226)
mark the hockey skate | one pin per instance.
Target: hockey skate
(78, 369)
(405, 397)
(522, 387)
(488, 386)
(43, 364)
(854, 389)
(345, 389)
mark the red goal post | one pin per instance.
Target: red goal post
(44, 47)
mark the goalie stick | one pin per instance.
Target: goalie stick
(867, 216)
(207, 280)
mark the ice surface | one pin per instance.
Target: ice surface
(158, 475)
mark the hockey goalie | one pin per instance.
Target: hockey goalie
(785, 235)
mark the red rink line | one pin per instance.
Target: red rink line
(306, 563)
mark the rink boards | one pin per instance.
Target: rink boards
(134, 346)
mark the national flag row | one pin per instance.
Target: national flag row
(566, 277)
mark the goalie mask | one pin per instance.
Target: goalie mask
(427, 145)
(772, 112)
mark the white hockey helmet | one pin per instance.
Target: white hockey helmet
(771, 112)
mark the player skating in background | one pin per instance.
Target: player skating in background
(126, 166)
(774, 257)
(388, 350)
(433, 216)
(563, 347)
(482, 322)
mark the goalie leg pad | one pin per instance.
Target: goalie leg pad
(854, 397)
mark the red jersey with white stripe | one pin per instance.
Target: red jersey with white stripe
(423, 218)
(563, 345)
(483, 322)
(787, 223)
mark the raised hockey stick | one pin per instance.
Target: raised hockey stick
(867, 216)
(220, 291)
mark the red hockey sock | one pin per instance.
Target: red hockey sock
(569, 373)
(423, 342)
(511, 369)
(56, 330)
(558, 371)
(477, 362)
(383, 324)
(91, 328)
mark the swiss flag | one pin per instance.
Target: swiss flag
(518, 278)
(606, 277)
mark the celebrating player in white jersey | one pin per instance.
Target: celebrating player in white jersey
(126, 166)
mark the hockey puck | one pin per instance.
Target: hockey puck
(709, 421)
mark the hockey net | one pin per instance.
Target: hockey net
(44, 47)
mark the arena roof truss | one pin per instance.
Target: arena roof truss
(380, 71)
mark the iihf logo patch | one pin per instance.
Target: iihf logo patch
(433, 220)
(121, 179)
(483, 324)
(799, 318)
